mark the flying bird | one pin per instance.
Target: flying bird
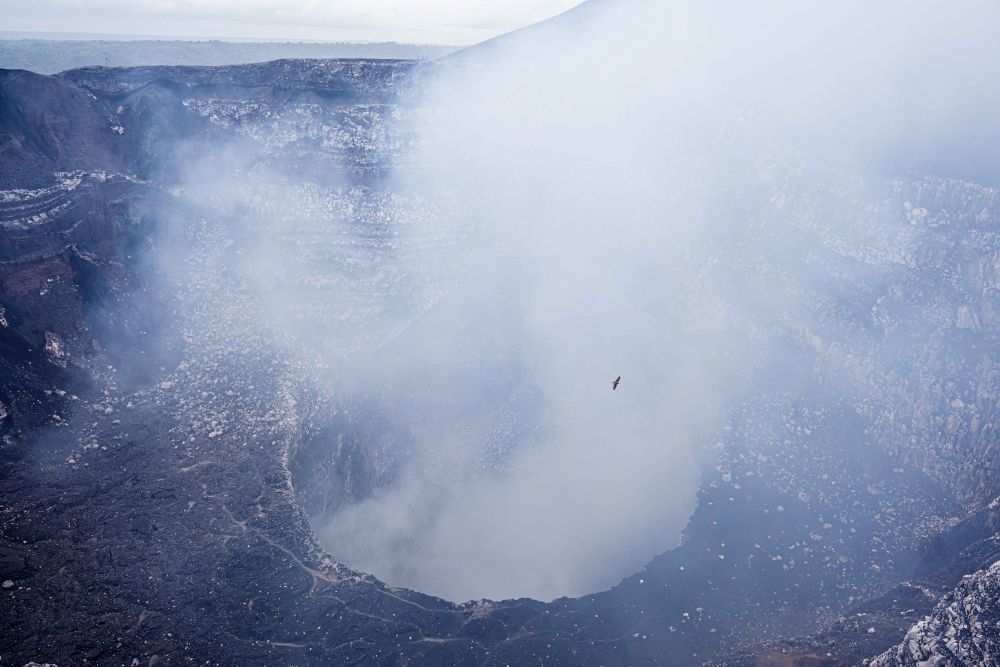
(614, 385)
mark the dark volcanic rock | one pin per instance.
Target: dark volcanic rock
(68, 264)
(48, 125)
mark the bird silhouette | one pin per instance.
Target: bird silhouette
(614, 385)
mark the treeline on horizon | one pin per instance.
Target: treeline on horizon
(46, 56)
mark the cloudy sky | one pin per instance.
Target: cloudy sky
(425, 21)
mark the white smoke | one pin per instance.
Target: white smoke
(578, 154)
(565, 216)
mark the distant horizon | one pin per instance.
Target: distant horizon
(426, 22)
(58, 36)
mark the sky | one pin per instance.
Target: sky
(415, 21)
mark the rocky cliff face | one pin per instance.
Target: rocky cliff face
(962, 630)
(69, 260)
(38, 138)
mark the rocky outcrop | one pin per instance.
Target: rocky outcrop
(963, 630)
(37, 138)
